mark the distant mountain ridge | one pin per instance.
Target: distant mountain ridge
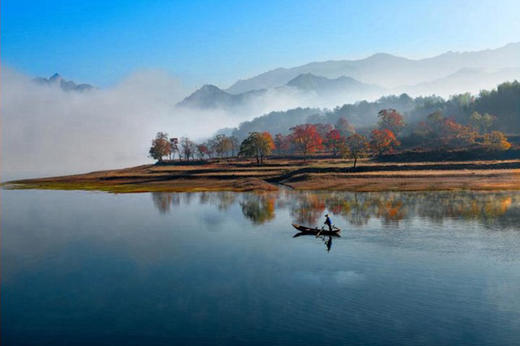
(320, 84)
(475, 80)
(210, 96)
(387, 70)
(57, 80)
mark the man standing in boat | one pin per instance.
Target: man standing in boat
(328, 222)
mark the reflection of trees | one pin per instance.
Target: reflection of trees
(500, 209)
(222, 199)
(259, 208)
(392, 207)
(164, 200)
(484, 207)
(308, 208)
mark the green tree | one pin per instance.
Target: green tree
(482, 122)
(257, 145)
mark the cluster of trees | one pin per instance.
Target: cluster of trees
(342, 140)
(185, 149)
(440, 132)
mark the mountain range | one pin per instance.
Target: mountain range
(210, 96)
(380, 74)
(57, 80)
(387, 70)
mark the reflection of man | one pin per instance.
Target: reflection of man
(328, 243)
(328, 222)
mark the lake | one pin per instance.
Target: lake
(434, 268)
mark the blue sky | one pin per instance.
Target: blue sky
(101, 42)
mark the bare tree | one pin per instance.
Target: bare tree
(188, 148)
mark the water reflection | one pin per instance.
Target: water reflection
(259, 208)
(327, 239)
(492, 209)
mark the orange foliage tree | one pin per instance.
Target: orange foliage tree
(160, 146)
(306, 139)
(496, 140)
(382, 141)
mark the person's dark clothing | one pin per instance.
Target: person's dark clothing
(328, 223)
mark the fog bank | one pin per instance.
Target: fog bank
(47, 131)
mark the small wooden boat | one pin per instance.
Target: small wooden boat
(315, 231)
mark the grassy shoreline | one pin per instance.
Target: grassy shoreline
(322, 174)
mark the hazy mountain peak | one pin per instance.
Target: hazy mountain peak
(210, 87)
(57, 79)
(55, 76)
(211, 96)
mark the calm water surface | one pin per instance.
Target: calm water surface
(224, 268)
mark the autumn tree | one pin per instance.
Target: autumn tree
(188, 148)
(382, 141)
(392, 120)
(355, 147)
(334, 141)
(267, 145)
(257, 145)
(496, 140)
(438, 131)
(160, 146)
(306, 139)
(202, 151)
(282, 143)
(344, 127)
(222, 145)
(323, 129)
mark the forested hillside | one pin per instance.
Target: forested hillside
(503, 103)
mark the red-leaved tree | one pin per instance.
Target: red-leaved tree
(306, 139)
(334, 141)
(383, 141)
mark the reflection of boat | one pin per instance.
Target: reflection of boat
(315, 231)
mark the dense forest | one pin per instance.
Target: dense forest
(503, 103)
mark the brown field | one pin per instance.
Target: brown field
(323, 174)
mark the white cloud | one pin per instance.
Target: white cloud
(46, 131)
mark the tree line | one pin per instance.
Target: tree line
(184, 148)
(436, 132)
